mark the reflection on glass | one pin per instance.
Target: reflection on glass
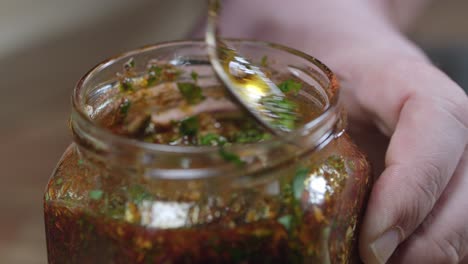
(165, 215)
(317, 187)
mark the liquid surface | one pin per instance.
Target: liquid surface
(169, 106)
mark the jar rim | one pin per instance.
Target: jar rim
(79, 106)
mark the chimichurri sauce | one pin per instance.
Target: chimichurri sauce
(168, 106)
(77, 237)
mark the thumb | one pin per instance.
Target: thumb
(424, 151)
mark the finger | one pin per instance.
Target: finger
(443, 236)
(424, 151)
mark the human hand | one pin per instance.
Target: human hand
(420, 200)
(413, 121)
(409, 116)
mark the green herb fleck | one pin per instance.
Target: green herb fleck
(286, 221)
(154, 75)
(298, 182)
(95, 194)
(290, 86)
(231, 157)
(124, 107)
(250, 136)
(283, 111)
(212, 140)
(126, 85)
(138, 194)
(59, 181)
(264, 61)
(80, 162)
(130, 64)
(194, 76)
(47, 196)
(192, 93)
(285, 121)
(189, 126)
(163, 73)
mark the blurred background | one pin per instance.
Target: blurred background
(46, 46)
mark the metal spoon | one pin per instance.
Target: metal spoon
(247, 84)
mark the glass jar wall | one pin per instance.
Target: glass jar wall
(118, 199)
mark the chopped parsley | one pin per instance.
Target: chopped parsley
(250, 136)
(194, 76)
(285, 122)
(212, 139)
(290, 86)
(95, 194)
(124, 107)
(230, 157)
(157, 74)
(282, 111)
(154, 75)
(298, 182)
(137, 194)
(130, 64)
(126, 85)
(192, 93)
(286, 221)
(59, 181)
(189, 126)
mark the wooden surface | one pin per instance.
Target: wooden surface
(35, 84)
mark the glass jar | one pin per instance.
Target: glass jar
(116, 200)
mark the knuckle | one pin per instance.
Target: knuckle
(426, 186)
(451, 248)
(456, 107)
(429, 182)
(427, 246)
(443, 94)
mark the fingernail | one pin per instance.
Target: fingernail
(384, 246)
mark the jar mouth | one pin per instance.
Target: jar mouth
(332, 108)
(168, 161)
